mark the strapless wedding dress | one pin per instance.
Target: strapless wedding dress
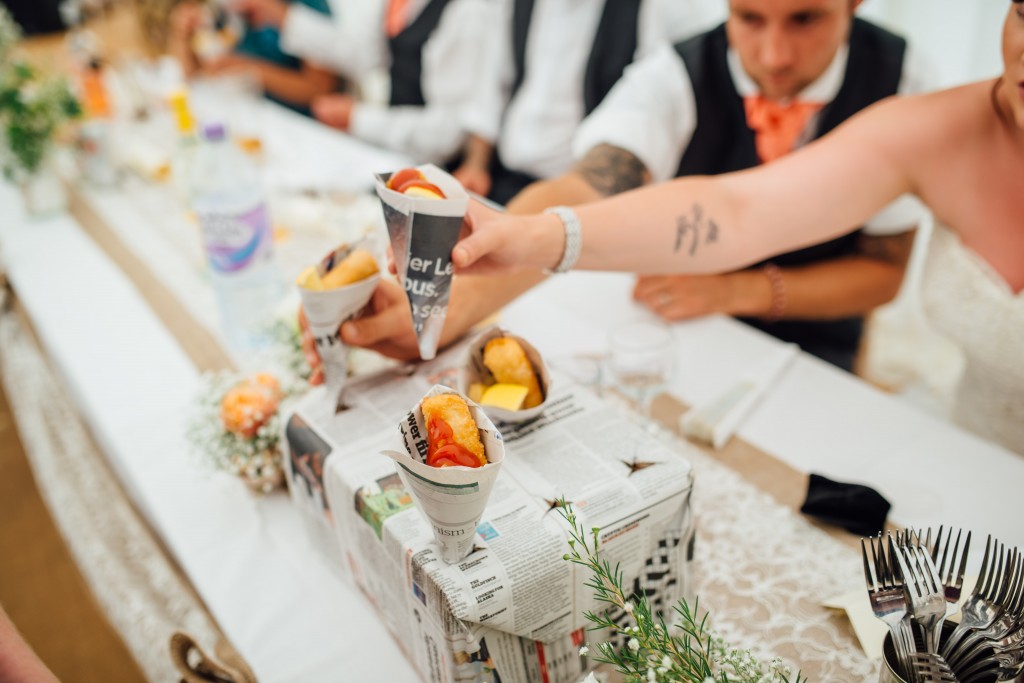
(969, 302)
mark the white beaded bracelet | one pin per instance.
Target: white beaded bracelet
(573, 238)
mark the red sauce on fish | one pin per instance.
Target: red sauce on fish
(443, 451)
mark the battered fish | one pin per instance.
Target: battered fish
(358, 265)
(461, 431)
(507, 361)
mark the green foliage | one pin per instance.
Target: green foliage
(32, 108)
(685, 651)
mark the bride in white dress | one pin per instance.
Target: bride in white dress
(969, 302)
(961, 151)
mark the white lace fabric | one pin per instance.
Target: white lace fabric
(763, 572)
(967, 301)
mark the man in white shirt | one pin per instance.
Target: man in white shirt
(432, 49)
(548, 64)
(682, 110)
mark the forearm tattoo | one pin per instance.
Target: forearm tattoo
(694, 230)
(610, 170)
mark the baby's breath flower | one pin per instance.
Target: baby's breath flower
(584, 651)
(634, 644)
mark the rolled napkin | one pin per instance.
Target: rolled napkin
(716, 421)
(857, 508)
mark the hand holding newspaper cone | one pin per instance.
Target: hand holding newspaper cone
(466, 451)
(423, 209)
(333, 291)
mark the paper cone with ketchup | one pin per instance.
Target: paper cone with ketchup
(451, 499)
(423, 229)
(328, 306)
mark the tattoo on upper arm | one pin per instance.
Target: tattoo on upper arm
(693, 230)
(893, 249)
(610, 170)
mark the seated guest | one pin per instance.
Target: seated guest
(431, 47)
(772, 78)
(961, 151)
(549, 64)
(285, 79)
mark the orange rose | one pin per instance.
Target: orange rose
(249, 404)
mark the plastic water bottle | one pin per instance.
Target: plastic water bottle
(228, 201)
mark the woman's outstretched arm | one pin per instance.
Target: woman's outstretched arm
(721, 223)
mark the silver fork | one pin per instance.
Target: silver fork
(952, 583)
(1001, 634)
(924, 589)
(981, 608)
(932, 668)
(888, 601)
(1001, 666)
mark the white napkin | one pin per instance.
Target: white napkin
(717, 420)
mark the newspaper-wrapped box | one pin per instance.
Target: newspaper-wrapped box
(422, 233)
(512, 609)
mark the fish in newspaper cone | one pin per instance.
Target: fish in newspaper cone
(423, 224)
(333, 291)
(505, 375)
(450, 496)
(451, 432)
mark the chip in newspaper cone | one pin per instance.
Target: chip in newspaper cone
(495, 363)
(451, 499)
(423, 229)
(333, 291)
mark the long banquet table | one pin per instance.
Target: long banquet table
(127, 372)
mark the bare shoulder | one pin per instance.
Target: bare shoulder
(917, 118)
(917, 133)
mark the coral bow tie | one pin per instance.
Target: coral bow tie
(777, 126)
(394, 20)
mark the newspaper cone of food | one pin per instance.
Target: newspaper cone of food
(333, 291)
(423, 209)
(451, 498)
(505, 375)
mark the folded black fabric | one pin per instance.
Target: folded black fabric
(858, 509)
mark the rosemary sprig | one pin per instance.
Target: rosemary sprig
(685, 651)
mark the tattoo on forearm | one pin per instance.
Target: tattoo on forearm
(694, 231)
(610, 170)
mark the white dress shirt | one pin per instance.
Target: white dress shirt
(534, 130)
(355, 43)
(651, 112)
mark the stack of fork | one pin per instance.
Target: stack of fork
(914, 583)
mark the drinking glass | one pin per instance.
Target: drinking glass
(641, 361)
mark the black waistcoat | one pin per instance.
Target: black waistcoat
(614, 46)
(407, 56)
(722, 142)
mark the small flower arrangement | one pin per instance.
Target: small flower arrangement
(237, 427)
(684, 651)
(32, 107)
